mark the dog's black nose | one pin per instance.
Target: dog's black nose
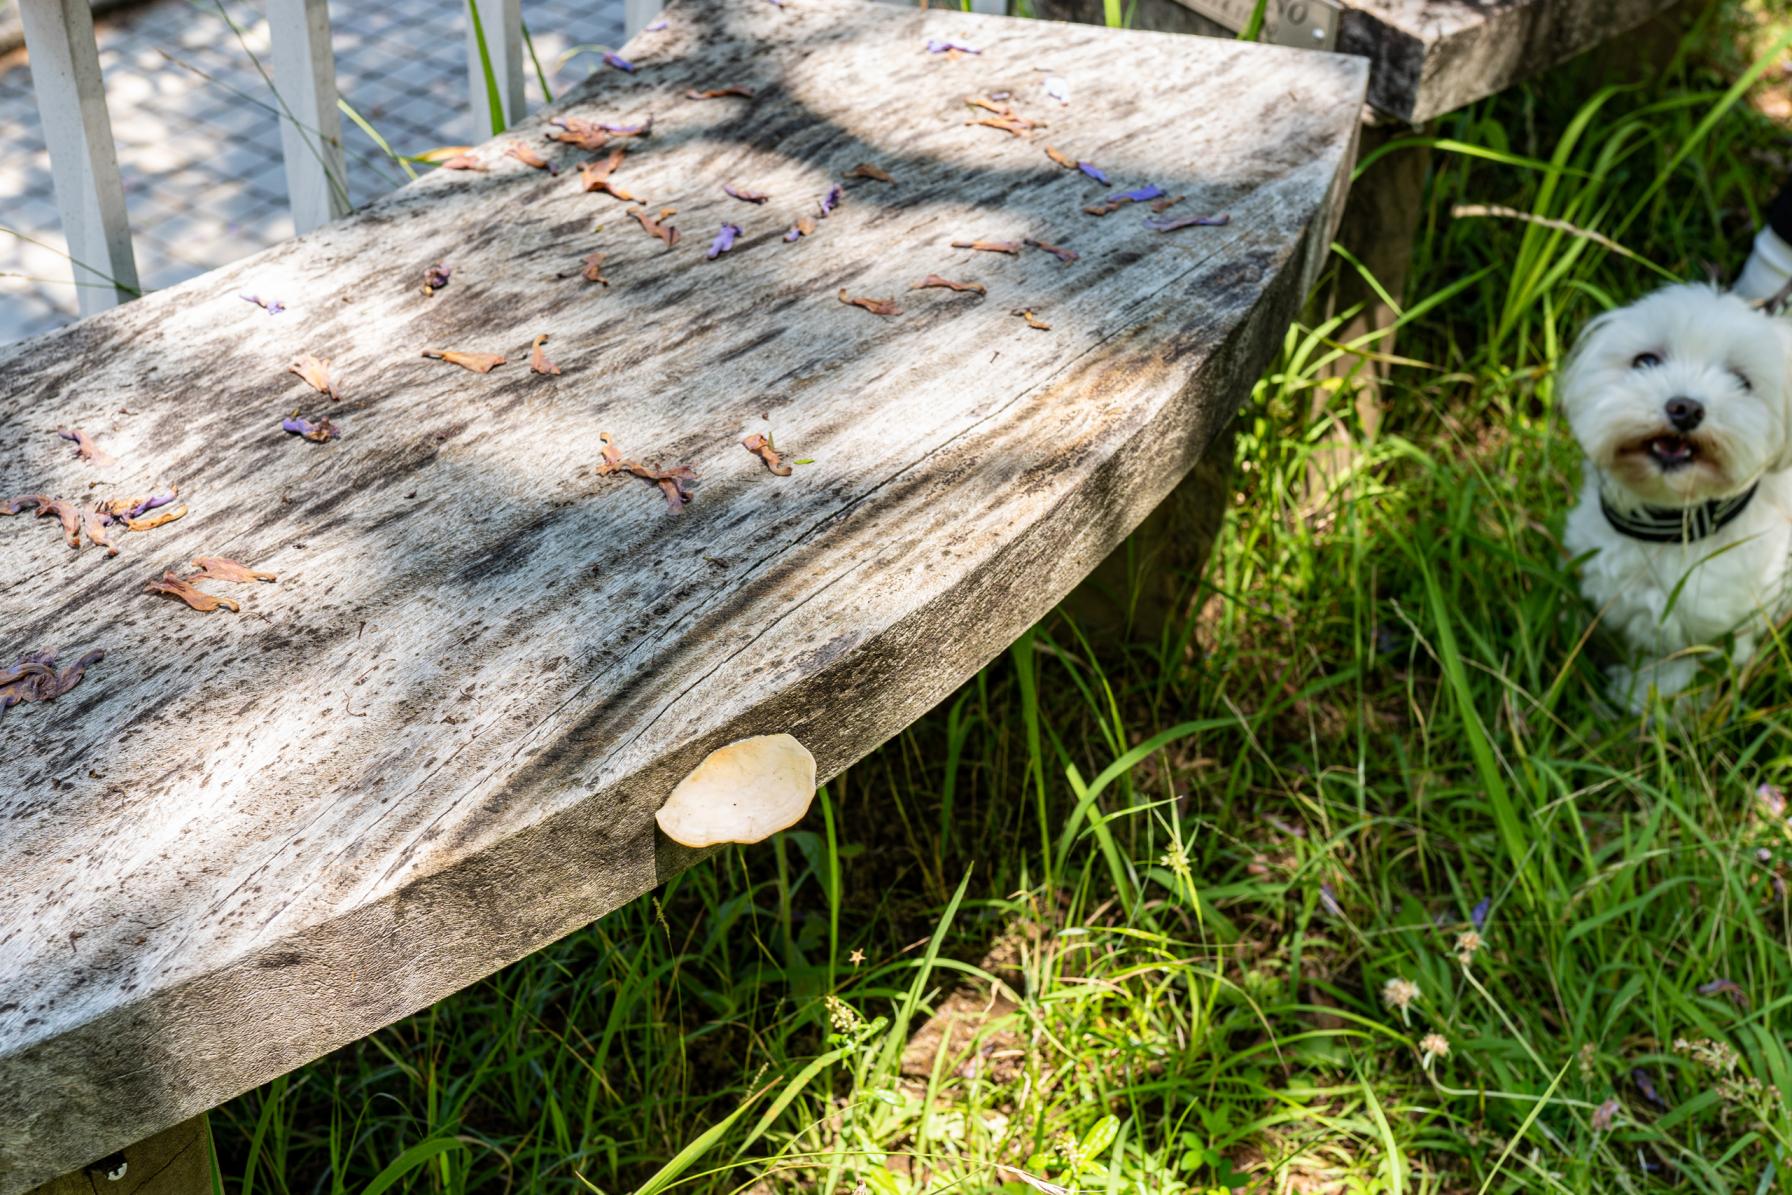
(1685, 413)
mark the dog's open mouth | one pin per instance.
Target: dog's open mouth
(1671, 452)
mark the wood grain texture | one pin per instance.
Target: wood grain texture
(436, 743)
(1433, 56)
(176, 1161)
(1428, 57)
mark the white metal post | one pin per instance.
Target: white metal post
(638, 14)
(71, 102)
(502, 22)
(310, 126)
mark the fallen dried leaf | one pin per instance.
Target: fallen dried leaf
(35, 678)
(1061, 158)
(271, 306)
(1115, 202)
(874, 306)
(183, 589)
(1188, 222)
(744, 194)
(642, 129)
(595, 176)
(463, 162)
(98, 526)
(316, 373)
(761, 447)
(653, 227)
(870, 171)
(538, 359)
(65, 512)
(934, 280)
(989, 104)
(1007, 124)
(594, 269)
(85, 448)
(164, 516)
(320, 432)
(803, 227)
(1033, 321)
(1168, 201)
(1012, 247)
(1058, 251)
(674, 483)
(131, 508)
(436, 277)
(477, 362)
(222, 568)
(716, 93)
(585, 134)
(529, 157)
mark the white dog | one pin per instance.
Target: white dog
(1683, 405)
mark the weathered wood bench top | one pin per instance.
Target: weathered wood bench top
(437, 741)
(1427, 57)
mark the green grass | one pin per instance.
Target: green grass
(1179, 873)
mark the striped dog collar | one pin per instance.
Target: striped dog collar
(1675, 524)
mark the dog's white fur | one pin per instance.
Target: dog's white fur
(1737, 361)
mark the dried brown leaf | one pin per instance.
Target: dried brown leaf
(1166, 202)
(529, 157)
(674, 483)
(477, 362)
(1033, 321)
(162, 517)
(1006, 124)
(716, 93)
(1011, 247)
(35, 678)
(538, 358)
(222, 568)
(98, 526)
(463, 162)
(1061, 158)
(85, 447)
(594, 269)
(871, 171)
(761, 447)
(656, 227)
(595, 176)
(316, 373)
(874, 306)
(182, 588)
(1058, 251)
(934, 280)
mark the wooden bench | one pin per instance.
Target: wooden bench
(437, 742)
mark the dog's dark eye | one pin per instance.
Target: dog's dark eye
(1645, 361)
(1743, 378)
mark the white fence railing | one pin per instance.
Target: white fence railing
(71, 100)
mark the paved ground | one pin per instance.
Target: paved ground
(199, 145)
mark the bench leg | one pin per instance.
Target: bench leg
(176, 1161)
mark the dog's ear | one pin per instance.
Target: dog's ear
(1569, 382)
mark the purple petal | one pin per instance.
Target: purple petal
(1057, 88)
(1093, 171)
(618, 61)
(939, 45)
(271, 306)
(656, 26)
(724, 241)
(1646, 1085)
(436, 276)
(150, 503)
(795, 233)
(1478, 915)
(832, 199)
(627, 130)
(1329, 899)
(68, 435)
(1146, 192)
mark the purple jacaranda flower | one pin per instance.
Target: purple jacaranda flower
(1058, 88)
(317, 432)
(655, 26)
(1329, 899)
(149, 504)
(271, 306)
(1093, 171)
(1143, 194)
(613, 59)
(832, 199)
(1646, 1085)
(939, 45)
(1171, 225)
(724, 241)
(628, 130)
(1725, 987)
(1477, 916)
(436, 277)
(803, 227)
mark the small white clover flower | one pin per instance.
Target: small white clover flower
(1431, 1047)
(1398, 994)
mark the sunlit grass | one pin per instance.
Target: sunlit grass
(1170, 886)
